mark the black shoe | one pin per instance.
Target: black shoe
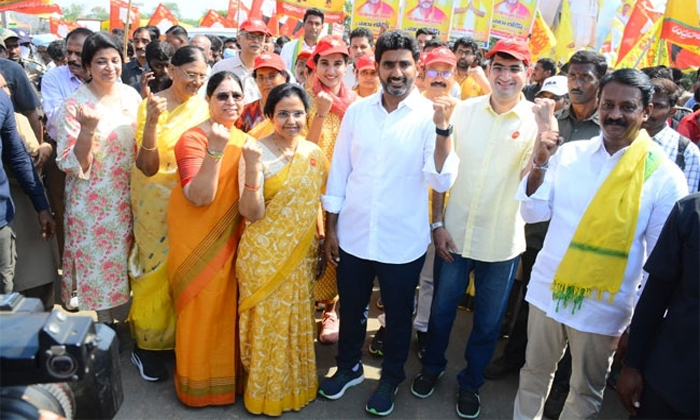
(467, 303)
(150, 365)
(334, 387)
(424, 384)
(376, 347)
(422, 341)
(468, 404)
(499, 369)
(555, 402)
(381, 403)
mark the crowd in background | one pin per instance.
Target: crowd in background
(228, 188)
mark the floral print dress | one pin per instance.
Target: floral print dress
(98, 220)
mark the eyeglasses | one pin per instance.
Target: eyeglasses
(512, 69)
(194, 76)
(223, 96)
(284, 115)
(270, 78)
(255, 37)
(435, 73)
(464, 52)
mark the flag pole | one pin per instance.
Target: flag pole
(126, 28)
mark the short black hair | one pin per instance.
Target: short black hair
(154, 30)
(434, 43)
(396, 40)
(78, 32)
(97, 42)
(548, 65)
(630, 77)
(216, 43)
(187, 54)
(668, 88)
(362, 33)
(218, 77)
(590, 57)
(314, 12)
(284, 91)
(148, 29)
(177, 30)
(159, 50)
(658, 72)
(426, 31)
(465, 42)
(57, 50)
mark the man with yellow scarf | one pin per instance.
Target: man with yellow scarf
(607, 200)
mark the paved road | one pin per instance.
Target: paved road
(143, 400)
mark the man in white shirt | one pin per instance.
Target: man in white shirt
(313, 23)
(252, 36)
(391, 146)
(586, 279)
(361, 43)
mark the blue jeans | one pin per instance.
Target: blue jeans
(397, 283)
(492, 283)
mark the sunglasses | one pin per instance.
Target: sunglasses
(223, 96)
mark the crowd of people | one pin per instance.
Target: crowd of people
(228, 188)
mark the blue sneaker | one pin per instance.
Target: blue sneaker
(381, 403)
(334, 387)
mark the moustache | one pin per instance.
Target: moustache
(575, 91)
(397, 79)
(439, 84)
(610, 121)
(74, 64)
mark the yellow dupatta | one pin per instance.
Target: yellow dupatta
(203, 242)
(597, 255)
(152, 315)
(272, 247)
(262, 129)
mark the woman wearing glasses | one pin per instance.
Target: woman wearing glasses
(269, 71)
(204, 227)
(162, 118)
(280, 177)
(330, 98)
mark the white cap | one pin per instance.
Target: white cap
(556, 85)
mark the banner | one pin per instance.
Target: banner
(118, 10)
(433, 14)
(472, 18)
(513, 19)
(640, 21)
(650, 50)
(332, 9)
(60, 27)
(564, 35)
(30, 7)
(372, 14)
(214, 19)
(542, 39)
(682, 24)
(162, 18)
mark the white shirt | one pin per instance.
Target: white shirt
(575, 174)
(290, 49)
(56, 86)
(235, 65)
(349, 77)
(377, 183)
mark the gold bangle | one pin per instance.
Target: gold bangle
(149, 149)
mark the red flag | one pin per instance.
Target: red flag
(237, 12)
(118, 10)
(641, 19)
(213, 19)
(30, 7)
(60, 27)
(163, 18)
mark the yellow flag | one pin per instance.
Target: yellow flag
(682, 24)
(564, 35)
(650, 50)
(542, 39)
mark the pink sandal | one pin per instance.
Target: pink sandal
(329, 328)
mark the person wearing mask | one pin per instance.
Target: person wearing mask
(162, 118)
(313, 24)
(95, 148)
(204, 227)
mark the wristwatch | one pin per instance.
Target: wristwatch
(444, 133)
(436, 225)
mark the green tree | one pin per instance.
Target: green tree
(174, 8)
(98, 12)
(74, 11)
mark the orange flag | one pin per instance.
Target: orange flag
(213, 19)
(238, 12)
(641, 20)
(30, 7)
(163, 18)
(60, 27)
(118, 10)
(542, 39)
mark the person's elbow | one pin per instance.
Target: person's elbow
(196, 197)
(252, 214)
(146, 169)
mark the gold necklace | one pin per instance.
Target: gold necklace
(283, 153)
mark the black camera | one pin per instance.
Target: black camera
(63, 364)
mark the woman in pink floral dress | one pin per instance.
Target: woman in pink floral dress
(95, 148)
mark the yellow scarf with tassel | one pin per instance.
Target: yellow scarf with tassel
(597, 255)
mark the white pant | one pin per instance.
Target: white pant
(591, 357)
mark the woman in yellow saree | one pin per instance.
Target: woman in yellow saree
(204, 228)
(162, 118)
(280, 177)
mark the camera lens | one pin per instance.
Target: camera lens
(62, 367)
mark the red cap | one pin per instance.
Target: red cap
(304, 55)
(440, 55)
(255, 25)
(518, 49)
(273, 61)
(421, 59)
(331, 44)
(365, 62)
